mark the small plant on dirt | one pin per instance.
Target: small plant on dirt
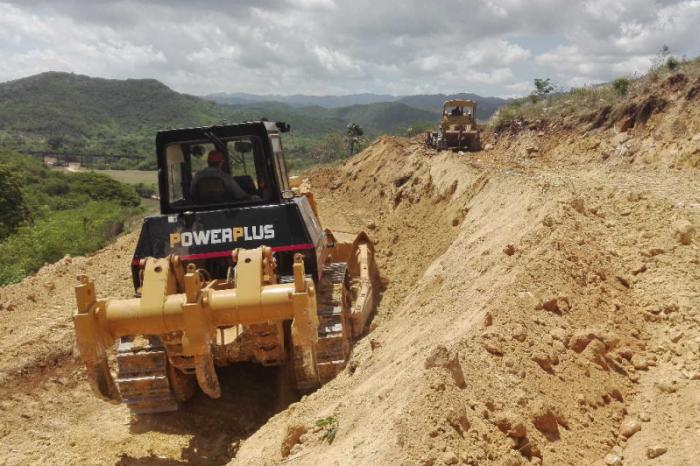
(621, 86)
(330, 426)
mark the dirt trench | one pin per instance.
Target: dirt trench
(537, 307)
(532, 308)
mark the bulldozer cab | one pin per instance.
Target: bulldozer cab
(457, 112)
(202, 220)
(253, 170)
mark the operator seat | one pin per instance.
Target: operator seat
(246, 183)
(210, 190)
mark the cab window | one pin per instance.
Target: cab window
(204, 173)
(280, 164)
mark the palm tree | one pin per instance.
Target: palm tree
(353, 133)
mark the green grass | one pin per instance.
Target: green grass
(131, 176)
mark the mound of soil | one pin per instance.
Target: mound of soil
(526, 304)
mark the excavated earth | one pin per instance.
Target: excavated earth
(541, 305)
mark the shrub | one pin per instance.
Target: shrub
(13, 208)
(70, 213)
(75, 231)
(621, 86)
(101, 187)
(145, 190)
(148, 164)
(672, 63)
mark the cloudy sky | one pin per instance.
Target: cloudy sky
(345, 46)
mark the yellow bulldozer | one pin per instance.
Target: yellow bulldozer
(458, 128)
(236, 268)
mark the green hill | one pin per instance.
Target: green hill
(78, 114)
(75, 114)
(80, 106)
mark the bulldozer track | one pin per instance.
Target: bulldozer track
(142, 377)
(334, 332)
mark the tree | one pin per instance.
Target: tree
(13, 208)
(56, 142)
(353, 133)
(663, 55)
(145, 190)
(621, 86)
(543, 87)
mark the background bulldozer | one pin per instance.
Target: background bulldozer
(458, 128)
(225, 277)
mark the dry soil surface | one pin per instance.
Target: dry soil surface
(541, 305)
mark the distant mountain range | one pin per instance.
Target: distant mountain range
(487, 106)
(300, 100)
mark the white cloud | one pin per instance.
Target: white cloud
(314, 4)
(344, 46)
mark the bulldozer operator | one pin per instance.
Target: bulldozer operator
(213, 185)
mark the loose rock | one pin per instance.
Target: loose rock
(544, 419)
(544, 360)
(676, 336)
(518, 332)
(655, 451)
(578, 205)
(580, 340)
(561, 335)
(292, 438)
(531, 151)
(683, 231)
(639, 362)
(458, 421)
(667, 386)
(629, 427)
(442, 357)
(493, 347)
(449, 457)
(510, 425)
